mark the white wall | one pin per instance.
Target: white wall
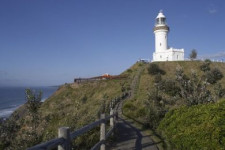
(169, 55)
(160, 40)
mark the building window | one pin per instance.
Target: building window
(177, 57)
(160, 56)
(160, 44)
(165, 37)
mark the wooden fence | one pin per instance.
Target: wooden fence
(63, 142)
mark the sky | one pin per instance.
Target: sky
(51, 42)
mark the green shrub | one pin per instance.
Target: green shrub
(196, 127)
(214, 75)
(129, 70)
(84, 99)
(154, 69)
(205, 66)
(169, 87)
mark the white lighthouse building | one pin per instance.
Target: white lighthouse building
(162, 51)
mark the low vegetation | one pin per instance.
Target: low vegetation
(196, 127)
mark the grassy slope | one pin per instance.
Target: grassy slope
(73, 105)
(146, 84)
(68, 107)
(136, 107)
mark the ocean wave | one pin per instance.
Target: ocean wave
(43, 99)
(8, 111)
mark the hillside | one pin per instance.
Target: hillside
(76, 105)
(73, 105)
(146, 83)
(142, 109)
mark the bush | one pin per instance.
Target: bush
(205, 66)
(214, 75)
(196, 127)
(84, 99)
(169, 87)
(158, 78)
(154, 69)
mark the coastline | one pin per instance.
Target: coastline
(8, 106)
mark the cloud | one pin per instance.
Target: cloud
(212, 11)
(216, 55)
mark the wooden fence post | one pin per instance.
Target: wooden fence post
(116, 117)
(111, 119)
(64, 132)
(111, 104)
(102, 132)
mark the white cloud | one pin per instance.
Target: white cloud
(216, 55)
(212, 11)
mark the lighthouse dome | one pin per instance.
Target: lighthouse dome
(160, 15)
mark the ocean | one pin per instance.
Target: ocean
(12, 97)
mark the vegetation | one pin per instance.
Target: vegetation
(73, 105)
(196, 127)
(205, 66)
(162, 92)
(19, 133)
(32, 105)
(185, 84)
(193, 54)
(154, 69)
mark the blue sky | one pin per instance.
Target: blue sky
(49, 42)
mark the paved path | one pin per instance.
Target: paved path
(129, 137)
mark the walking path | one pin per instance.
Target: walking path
(129, 137)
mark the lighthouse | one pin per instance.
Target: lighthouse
(162, 51)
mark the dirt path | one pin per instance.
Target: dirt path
(129, 137)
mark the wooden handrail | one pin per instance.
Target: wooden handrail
(48, 145)
(63, 142)
(60, 141)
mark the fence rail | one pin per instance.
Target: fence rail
(63, 142)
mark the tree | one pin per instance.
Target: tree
(33, 104)
(193, 54)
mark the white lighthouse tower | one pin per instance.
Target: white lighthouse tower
(162, 51)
